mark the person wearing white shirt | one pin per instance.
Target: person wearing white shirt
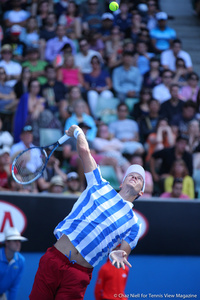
(161, 92)
(168, 57)
(83, 58)
(13, 69)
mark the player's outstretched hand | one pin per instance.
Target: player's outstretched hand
(119, 257)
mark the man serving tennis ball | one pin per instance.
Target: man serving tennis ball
(100, 220)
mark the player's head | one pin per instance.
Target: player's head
(135, 178)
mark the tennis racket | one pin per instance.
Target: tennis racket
(29, 165)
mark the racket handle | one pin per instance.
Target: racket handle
(63, 139)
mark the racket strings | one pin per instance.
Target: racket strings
(30, 164)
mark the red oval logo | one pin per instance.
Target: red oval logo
(143, 221)
(11, 216)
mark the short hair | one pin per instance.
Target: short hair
(190, 103)
(177, 41)
(177, 180)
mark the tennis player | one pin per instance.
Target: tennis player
(100, 220)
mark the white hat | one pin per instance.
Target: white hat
(12, 234)
(161, 15)
(106, 16)
(72, 175)
(136, 169)
(57, 180)
(4, 150)
(16, 29)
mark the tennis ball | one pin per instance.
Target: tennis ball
(113, 6)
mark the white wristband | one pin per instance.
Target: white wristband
(78, 131)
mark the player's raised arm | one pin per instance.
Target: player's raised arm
(83, 149)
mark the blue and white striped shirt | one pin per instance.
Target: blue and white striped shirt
(100, 219)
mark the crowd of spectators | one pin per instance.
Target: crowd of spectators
(59, 60)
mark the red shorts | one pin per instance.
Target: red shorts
(58, 278)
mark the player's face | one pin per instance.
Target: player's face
(135, 181)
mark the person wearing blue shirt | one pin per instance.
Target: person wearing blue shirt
(162, 35)
(127, 79)
(11, 264)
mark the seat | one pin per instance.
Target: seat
(130, 102)
(107, 109)
(49, 136)
(108, 173)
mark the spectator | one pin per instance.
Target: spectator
(143, 57)
(151, 15)
(162, 36)
(148, 123)
(114, 48)
(149, 186)
(111, 281)
(7, 95)
(95, 41)
(71, 19)
(181, 73)
(11, 263)
(29, 108)
(194, 136)
(5, 167)
(36, 66)
(73, 184)
(21, 86)
(180, 170)
(176, 190)
(168, 156)
(134, 29)
(97, 84)
(91, 18)
(172, 108)
(6, 138)
(168, 57)
(48, 30)
(141, 108)
(14, 186)
(161, 92)
(83, 58)
(153, 77)
(30, 36)
(190, 91)
(123, 19)
(106, 26)
(52, 173)
(54, 45)
(78, 116)
(64, 52)
(188, 113)
(144, 36)
(42, 12)
(12, 68)
(53, 91)
(16, 15)
(128, 45)
(26, 141)
(69, 74)
(107, 145)
(13, 39)
(126, 131)
(162, 138)
(127, 79)
(57, 185)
